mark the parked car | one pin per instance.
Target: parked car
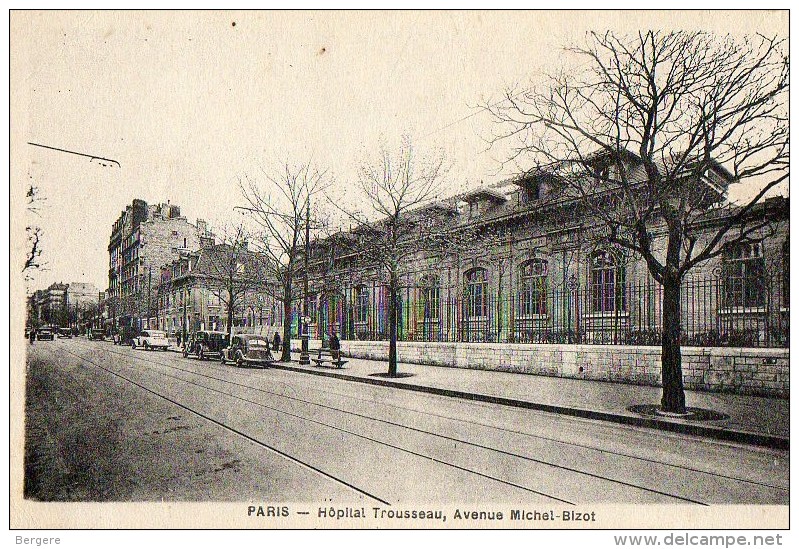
(45, 332)
(151, 339)
(248, 349)
(205, 344)
(65, 333)
(97, 334)
(125, 335)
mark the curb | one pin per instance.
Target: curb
(729, 435)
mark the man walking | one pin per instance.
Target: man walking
(335, 346)
(276, 342)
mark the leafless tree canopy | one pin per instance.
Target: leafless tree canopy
(647, 133)
(235, 274)
(394, 220)
(683, 103)
(399, 219)
(278, 202)
(34, 232)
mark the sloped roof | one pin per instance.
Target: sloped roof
(484, 192)
(215, 261)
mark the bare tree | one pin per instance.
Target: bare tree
(648, 132)
(395, 225)
(279, 206)
(33, 231)
(232, 272)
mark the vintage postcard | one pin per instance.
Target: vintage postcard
(409, 270)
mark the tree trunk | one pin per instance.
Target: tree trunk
(392, 324)
(230, 318)
(673, 400)
(286, 354)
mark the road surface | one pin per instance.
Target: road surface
(109, 423)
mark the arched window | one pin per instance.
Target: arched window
(533, 288)
(744, 273)
(476, 293)
(361, 304)
(606, 283)
(430, 297)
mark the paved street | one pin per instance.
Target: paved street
(108, 423)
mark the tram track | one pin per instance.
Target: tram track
(463, 441)
(232, 429)
(327, 425)
(279, 410)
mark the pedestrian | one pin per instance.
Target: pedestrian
(276, 342)
(335, 347)
(32, 335)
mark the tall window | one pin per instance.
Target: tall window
(361, 304)
(476, 293)
(533, 288)
(429, 297)
(312, 309)
(606, 283)
(744, 274)
(474, 209)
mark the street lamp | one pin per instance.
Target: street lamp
(572, 285)
(185, 319)
(304, 355)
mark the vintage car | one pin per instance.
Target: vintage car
(45, 332)
(151, 339)
(97, 334)
(248, 349)
(65, 333)
(205, 344)
(125, 335)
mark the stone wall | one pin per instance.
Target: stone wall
(762, 372)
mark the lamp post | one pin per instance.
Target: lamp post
(572, 285)
(185, 319)
(304, 356)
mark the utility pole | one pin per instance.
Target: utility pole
(149, 295)
(304, 356)
(185, 319)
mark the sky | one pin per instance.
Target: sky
(189, 103)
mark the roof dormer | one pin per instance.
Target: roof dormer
(482, 199)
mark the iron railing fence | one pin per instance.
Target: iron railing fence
(714, 312)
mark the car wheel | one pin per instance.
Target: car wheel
(239, 360)
(146, 346)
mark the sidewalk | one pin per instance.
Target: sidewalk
(753, 420)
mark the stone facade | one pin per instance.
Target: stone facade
(192, 294)
(65, 305)
(542, 278)
(144, 238)
(531, 289)
(758, 372)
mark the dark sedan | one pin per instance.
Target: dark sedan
(205, 344)
(246, 349)
(45, 333)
